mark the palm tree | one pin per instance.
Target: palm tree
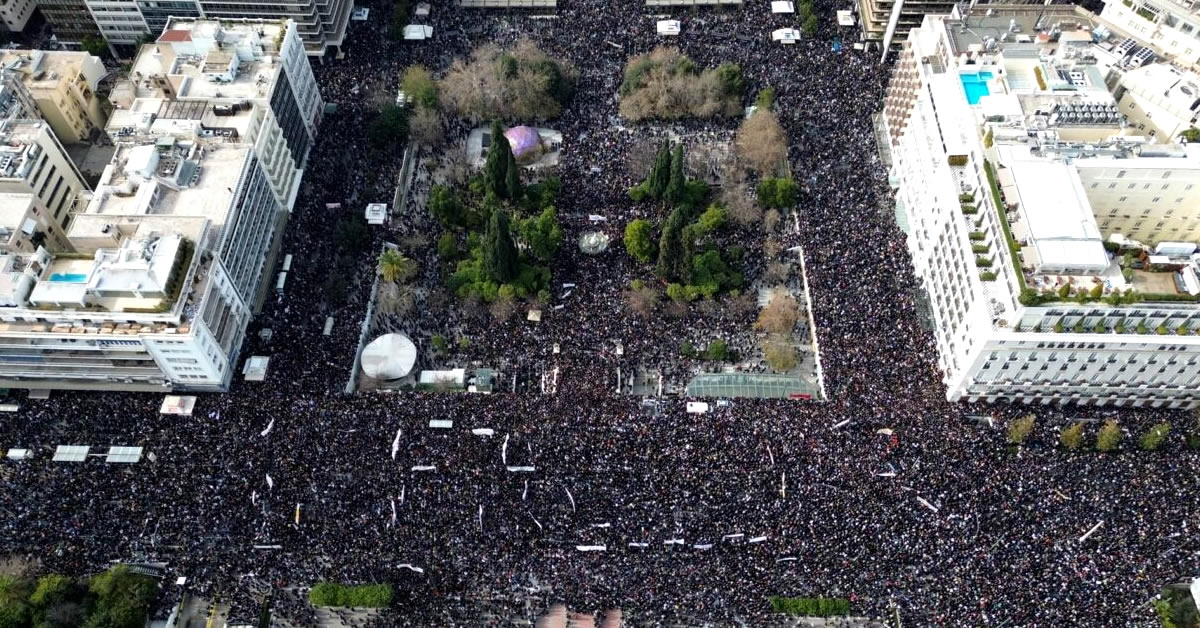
(395, 267)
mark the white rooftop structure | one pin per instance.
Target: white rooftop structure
(178, 404)
(123, 455)
(417, 32)
(668, 27)
(453, 377)
(786, 35)
(376, 213)
(1061, 224)
(256, 368)
(782, 6)
(390, 356)
(19, 454)
(845, 18)
(71, 453)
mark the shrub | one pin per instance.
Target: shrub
(1019, 430)
(717, 351)
(639, 240)
(977, 236)
(957, 161)
(983, 262)
(687, 350)
(1109, 437)
(367, 595)
(439, 343)
(1071, 436)
(810, 607)
(1041, 80)
(987, 275)
(1154, 437)
(980, 249)
(989, 139)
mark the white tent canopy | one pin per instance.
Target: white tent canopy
(668, 27)
(176, 404)
(19, 454)
(786, 35)
(417, 32)
(781, 6)
(845, 17)
(390, 356)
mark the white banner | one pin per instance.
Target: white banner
(396, 444)
(758, 539)
(520, 469)
(483, 431)
(591, 548)
(424, 467)
(411, 568)
(270, 482)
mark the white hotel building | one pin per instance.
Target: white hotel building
(1071, 181)
(169, 256)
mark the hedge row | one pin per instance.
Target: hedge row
(811, 606)
(366, 595)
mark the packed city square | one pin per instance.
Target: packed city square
(700, 517)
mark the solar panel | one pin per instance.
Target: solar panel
(71, 453)
(124, 455)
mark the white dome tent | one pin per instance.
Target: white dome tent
(390, 356)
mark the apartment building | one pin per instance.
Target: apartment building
(63, 84)
(170, 255)
(1171, 28)
(321, 24)
(16, 13)
(1161, 100)
(1001, 158)
(70, 20)
(33, 162)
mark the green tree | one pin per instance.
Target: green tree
(51, 589)
(122, 599)
(1154, 437)
(542, 234)
(660, 172)
(419, 85)
(1109, 437)
(512, 180)
(765, 99)
(1071, 436)
(499, 253)
(399, 18)
(1191, 135)
(394, 267)
(639, 240)
(447, 246)
(390, 127)
(495, 169)
(712, 219)
(670, 246)
(674, 189)
(94, 45)
(1019, 430)
(444, 205)
(717, 351)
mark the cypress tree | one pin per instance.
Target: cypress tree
(674, 190)
(660, 172)
(495, 170)
(670, 245)
(512, 182)
(499, 252)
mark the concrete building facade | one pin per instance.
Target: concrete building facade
(63, 84)
(1031, 301)
(170, 255)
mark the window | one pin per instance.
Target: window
(1121, 174)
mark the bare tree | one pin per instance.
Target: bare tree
(780, 352)
(739, 206)
(425, 126)
(771, 220)
(772, 247)
(398, 299)
(415, 245)
(777, 272)
(781, 314)
(762, 143)
(503, 308)
(742, 304)
(514, 85)
(642, 300)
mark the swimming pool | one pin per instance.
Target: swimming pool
(68, 277)
(975, 85)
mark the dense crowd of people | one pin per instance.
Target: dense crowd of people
(700, 517)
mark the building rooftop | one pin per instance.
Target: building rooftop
(18, 147)
(42, 70)
(1058, 217)
(183, 179)
(201, 59)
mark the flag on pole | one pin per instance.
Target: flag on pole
(254, 498)
(570, 498)
(525, 492)
(396, 444)
(481, 517)
(393, 512)
(270, 425)
(270, 482)
(783, 485)
(504, 451)
(297, 514)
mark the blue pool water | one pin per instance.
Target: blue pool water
(68, 277)
(975, 85)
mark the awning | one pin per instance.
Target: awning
(71, 453)
(668, 27)
(781, 6)
(123, 455)
(786, 35)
